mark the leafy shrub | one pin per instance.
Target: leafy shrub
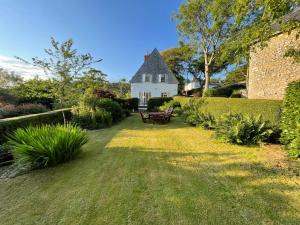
(89, 119)
(225, 91)
(191, 111)
(294, 146)
(291, 114)
(10, 124)
(47, 145)
(269, 109)
(110, 106)
(20, 110)
(155, 103)
(243, 129)
(174, 104)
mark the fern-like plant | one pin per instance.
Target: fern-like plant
(47, 145)
(243, 129)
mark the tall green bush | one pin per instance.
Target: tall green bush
(47, 145)
(110, 106)
(291, 117)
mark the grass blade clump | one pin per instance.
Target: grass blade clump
(47, 145)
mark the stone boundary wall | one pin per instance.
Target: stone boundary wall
(269, 71)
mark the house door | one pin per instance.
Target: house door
(144, 97)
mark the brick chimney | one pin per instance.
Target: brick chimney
(146, 57)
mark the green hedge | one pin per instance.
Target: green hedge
(10, 124)
(225, 91)
(291, 114)
(269, 109)
(155, 103)
(128, 103)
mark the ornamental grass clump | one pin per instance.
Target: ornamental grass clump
(243, 129)
(47, 145)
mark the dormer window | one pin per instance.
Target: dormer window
(162, 78)
(147, 78)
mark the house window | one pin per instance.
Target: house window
(144, 97)
(147, 78)
(163, 78)
(164, 94)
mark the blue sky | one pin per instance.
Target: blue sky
(117, 31)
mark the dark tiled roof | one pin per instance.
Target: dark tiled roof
(154, 65)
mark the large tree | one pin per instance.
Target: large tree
(64, 64)
(205, 25)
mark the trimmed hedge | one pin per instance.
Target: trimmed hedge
(225, 91)
(269, 109)
(10, 124)
(291, 116)
(155, 103)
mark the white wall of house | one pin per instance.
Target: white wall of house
(156, 89)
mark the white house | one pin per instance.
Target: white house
(153, 79)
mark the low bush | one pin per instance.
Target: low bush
(193, 115)
(243, 129)
(269, 109)
(10, 124)
(192, 110)
(174, 104)
(155, 103)
(225, 91)
(9, 110)
(89, 119)
(47, 145)
(291, 116)
(110, 106)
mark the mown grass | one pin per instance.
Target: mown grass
(269, 109)
(135, 173)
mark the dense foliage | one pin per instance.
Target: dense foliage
(47, 145)
(291, 118)
(269, 109)
(9, 125)
(89, 119)
(173, 103)
(155, 103)
(110, 106)
(9, 110)
(243, 129)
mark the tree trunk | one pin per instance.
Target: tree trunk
(206, 73)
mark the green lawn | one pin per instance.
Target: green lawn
(135, 173)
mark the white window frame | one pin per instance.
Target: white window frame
(150, 78)
(160, 78)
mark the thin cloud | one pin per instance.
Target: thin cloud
(25, 70)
